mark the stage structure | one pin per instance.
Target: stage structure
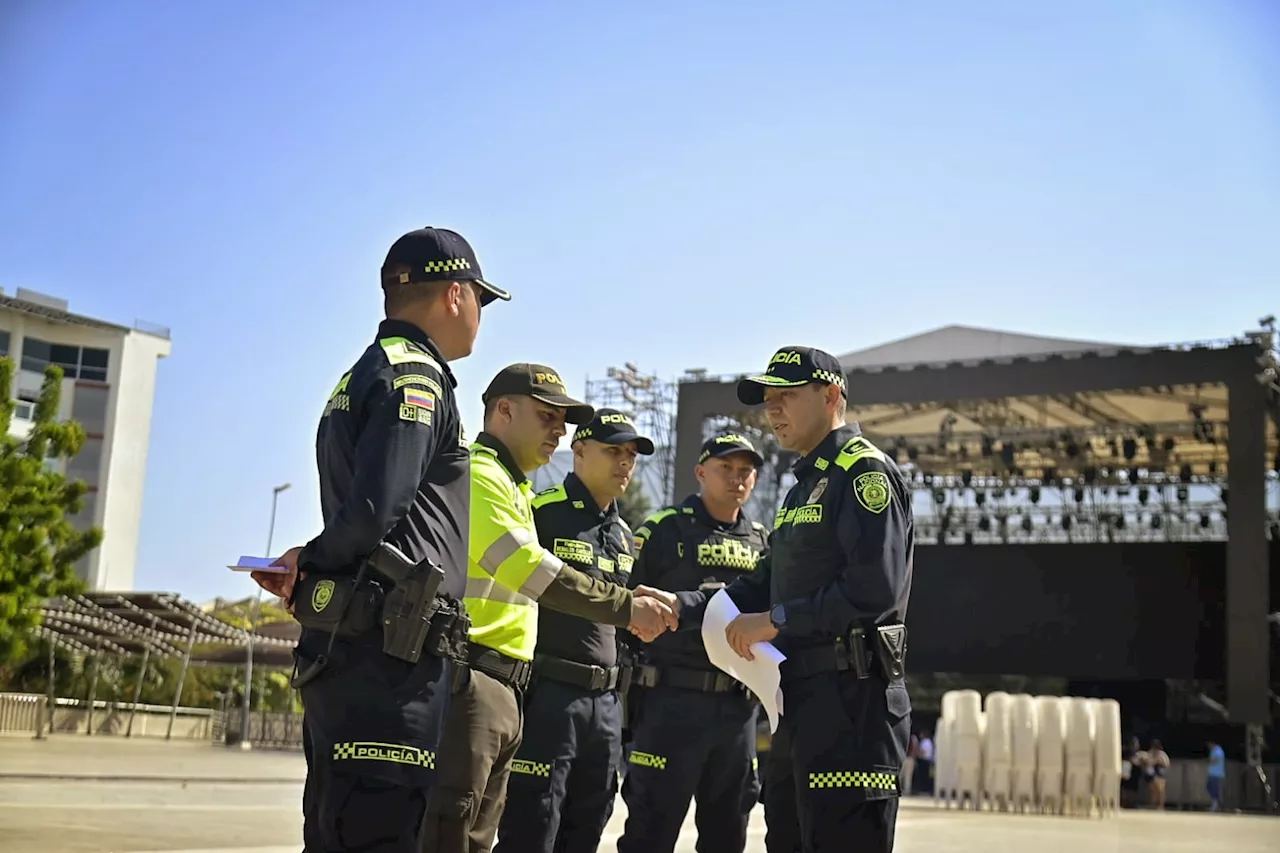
(651, 402)
(1066, 442)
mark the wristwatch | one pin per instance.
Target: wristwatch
(778, 617)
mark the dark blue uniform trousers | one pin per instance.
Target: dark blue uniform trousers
(371, 727)
(689, 744)
(832, 774)
(564, 779)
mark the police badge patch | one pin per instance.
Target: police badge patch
(872, 489)
(817, 491)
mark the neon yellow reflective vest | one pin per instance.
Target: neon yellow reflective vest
(507, 569)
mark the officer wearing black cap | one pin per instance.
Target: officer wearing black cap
(509, 574)
(565, 777)
(392, 557)
(832, 598)
(693, 727)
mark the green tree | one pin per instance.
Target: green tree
(634, 505)
(39, 546)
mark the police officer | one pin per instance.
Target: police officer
(832, 597)
(394, 492)
(508, 573)
(694, 727)
(565, 777)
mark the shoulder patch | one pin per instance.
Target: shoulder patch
(555, 494)
(873, 491)
(417, 405)
(404, 351)
(855, 450)
(655, 519)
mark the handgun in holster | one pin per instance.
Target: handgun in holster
(411, 602)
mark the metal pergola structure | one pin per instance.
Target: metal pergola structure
(147, 623)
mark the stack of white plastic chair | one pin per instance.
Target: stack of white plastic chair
(1106, 756)
(1022, 747)
(943, 763)
(943, 758)
(965, 737)
(997, 751)
(1078, 778)
(1051, 735)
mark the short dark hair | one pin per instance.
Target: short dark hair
(491, 405)
(397, 296)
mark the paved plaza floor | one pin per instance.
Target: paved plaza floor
(108, 795)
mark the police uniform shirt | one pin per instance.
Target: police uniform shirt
(684, 547)
(597, 542)
(391, 461)
(841, 548)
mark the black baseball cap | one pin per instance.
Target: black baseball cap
(436, 254)
(723, 445)
(611, 426)
(792, 367)
(541, 383)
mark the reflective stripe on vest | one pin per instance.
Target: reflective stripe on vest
(507, 569)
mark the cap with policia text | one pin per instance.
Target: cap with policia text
(792, 367)
(436, 254)
(542, 384)
(613, 427)
(723, 445)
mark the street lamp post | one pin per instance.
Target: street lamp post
(253, 626)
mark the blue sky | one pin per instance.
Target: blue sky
(671, 186)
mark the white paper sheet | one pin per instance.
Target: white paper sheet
(258, 564)
(760, 675)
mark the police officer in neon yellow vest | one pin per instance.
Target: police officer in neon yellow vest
(509, 574)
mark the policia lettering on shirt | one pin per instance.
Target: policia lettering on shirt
(564, 779)
(694, 728)
(509, 573)
(390, 561)
(832, 596)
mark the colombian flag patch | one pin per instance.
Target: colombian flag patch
(421, 399)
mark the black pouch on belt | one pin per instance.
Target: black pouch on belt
(337, 604)
(891, 649)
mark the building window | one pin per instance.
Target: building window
(93, 364)
(89, 408)
(26, 408)
(4, 342)
(85, 464)
(76, 362)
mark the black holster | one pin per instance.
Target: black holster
(891, 650)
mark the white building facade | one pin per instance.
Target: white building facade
(109, 388)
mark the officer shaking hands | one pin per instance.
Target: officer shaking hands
(378, 592)
(694, 727)
(832, 597)
(509, 572)
(564, 779)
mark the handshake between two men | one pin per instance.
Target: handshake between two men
(653, 612)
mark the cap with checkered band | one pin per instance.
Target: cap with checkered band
(436, 254)
(611, 426)
(792, 367)
(723, 445)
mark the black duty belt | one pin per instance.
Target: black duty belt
(860, 653)
(495, 664)
(687, 678)
(584, 675)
